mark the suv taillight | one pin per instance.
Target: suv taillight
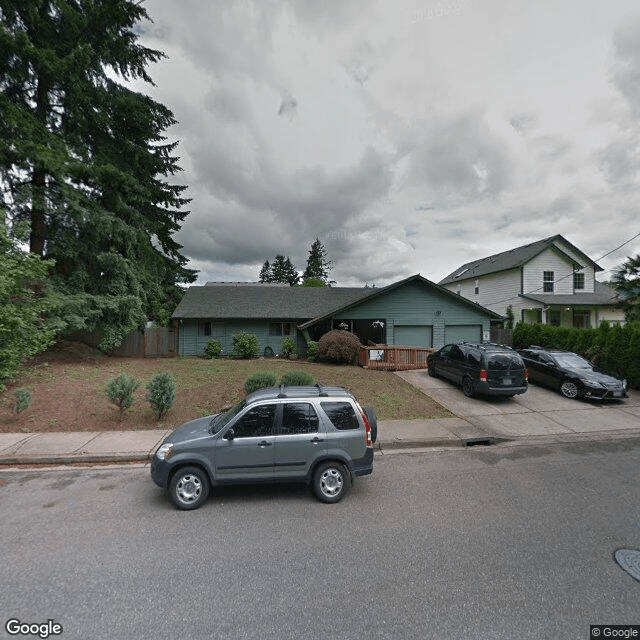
(483, 375)
(367, 426)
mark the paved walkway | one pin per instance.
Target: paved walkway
(539, 413)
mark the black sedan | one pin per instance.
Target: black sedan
(571, 374)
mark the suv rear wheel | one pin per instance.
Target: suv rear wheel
(331, 481)
(467, 387)
(189, 488)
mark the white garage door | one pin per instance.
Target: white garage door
(462, 332)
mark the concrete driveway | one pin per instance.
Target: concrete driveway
(538, 412)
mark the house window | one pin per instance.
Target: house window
(477, 289)
(578, 281)
(280, 329)
(211, 329)
(547, 281)
(582, 319)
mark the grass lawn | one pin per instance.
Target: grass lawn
(68, 390)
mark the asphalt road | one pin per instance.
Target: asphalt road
(496, 542)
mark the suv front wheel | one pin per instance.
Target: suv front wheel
(331, 482)
(189, 488)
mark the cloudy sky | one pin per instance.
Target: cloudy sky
(410, 136)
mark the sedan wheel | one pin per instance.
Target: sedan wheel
(568, 389)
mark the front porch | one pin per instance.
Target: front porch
(394, 357)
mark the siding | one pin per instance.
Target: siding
(418, 305)
(192, 343)
(548, 260)
(589, 271)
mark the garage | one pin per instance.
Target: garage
(413, 335)
(462, 332)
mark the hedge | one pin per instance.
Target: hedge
(612, 348)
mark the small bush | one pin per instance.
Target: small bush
(120, 391)
(312, 350)
(213, 349)
(162, 393)
(297, 378)
(23, 400)
(260, 380)
(288, 346)
(339, 346)
(245, 345)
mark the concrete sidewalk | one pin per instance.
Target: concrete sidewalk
(139, 446)
(539, 414)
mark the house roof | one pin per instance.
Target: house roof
(603, 295)
(247, 301)
(372, 293)
(513, 258)
(305, 304)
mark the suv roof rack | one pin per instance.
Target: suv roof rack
(321, 391)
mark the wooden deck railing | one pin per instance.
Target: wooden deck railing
(394, 357)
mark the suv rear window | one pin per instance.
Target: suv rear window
(504, 361)
(341, 414)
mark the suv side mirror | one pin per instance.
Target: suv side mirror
(230, 434)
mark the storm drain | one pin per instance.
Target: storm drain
(629, 560)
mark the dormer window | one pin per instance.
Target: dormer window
(547, 281)
(477, 289)
(578, 281)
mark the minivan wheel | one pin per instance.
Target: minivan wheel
(189, 488)
(568, 389)
(431, 368)
(467, 387)
(331, 482)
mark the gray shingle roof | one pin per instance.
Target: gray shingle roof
(224, 301)
(603, 294)
(509, 260)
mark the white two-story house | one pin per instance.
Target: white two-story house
(549, 281)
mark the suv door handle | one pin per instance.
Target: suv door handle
(264, 443)
(316, 440)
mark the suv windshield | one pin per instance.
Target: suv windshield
(219, 421)
(504, 361)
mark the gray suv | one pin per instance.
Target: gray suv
(317, 435)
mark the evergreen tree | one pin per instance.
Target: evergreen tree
(318, 265)
(84, 161)
(626, 282)
(265, 272)
(282, 270)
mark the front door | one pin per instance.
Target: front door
(249, 454)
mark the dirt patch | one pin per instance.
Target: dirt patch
(68, 382)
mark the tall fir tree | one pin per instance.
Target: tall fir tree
(283, 271)
(626, 281)
(265, 272)
(84, 161)
(318, 264)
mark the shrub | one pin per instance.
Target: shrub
(339, 346)
(260, 380)
(288, 346)
(245, 345)
(162, 393)
(213, 349)
(23, 400)
(120, 391)
(297, 378)
(312, 350)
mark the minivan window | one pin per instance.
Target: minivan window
(341, 414)
(504, 361)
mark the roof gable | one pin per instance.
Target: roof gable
(515, 258)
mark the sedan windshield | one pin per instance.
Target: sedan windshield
(571, 361)
(222, 419)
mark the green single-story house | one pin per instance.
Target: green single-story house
(411, 312)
